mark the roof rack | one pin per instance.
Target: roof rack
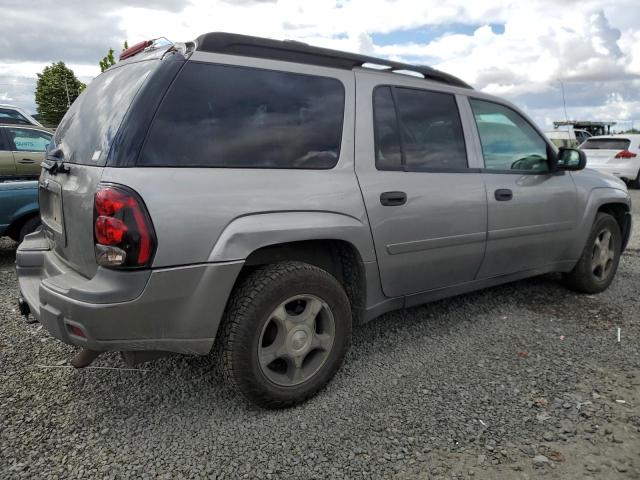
(294, 51)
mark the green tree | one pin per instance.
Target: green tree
(109, 60)
(56, 90)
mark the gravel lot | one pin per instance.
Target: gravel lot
(519, 381)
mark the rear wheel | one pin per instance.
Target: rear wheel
(286, 331)
(597, 266)
(635, 183)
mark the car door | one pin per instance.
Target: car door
(426, 207)
(532, 211)
(28, 145)
(7, 165)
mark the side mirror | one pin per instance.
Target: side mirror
(571, 159)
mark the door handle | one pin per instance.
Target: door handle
(393, 199)
(503, 194)
(26, 161)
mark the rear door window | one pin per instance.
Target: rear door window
(387, 135)
(29, 140)
(89, 127)
(606, 144)
(228, 116)
(417, 130)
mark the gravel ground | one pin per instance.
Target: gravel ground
(519, 381)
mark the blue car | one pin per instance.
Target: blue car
(19, 214)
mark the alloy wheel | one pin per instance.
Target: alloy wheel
(296, 340)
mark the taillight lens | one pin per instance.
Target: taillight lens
(123, 231)
(625, 154)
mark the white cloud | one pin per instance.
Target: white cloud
(593, 45)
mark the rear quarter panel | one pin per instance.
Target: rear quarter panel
(202, 214)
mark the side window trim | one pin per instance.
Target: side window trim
(396, 111)
(404, 167)
(478, 140)
(376, 133)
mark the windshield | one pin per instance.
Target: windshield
(606, 144)
(89, 127)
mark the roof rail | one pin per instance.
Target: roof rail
(299, 52)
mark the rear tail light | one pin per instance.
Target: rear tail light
(625, 154)
(123, 232)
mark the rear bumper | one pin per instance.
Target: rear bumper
(627, 171)
(171, 309)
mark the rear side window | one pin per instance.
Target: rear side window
(28, 140)
(228, 116)
(606, 144)
(10, 116)
(89, 127)
(424, 126)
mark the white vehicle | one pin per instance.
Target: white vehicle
(12, 115)
(618, 155)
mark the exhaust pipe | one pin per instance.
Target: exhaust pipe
(25, 310)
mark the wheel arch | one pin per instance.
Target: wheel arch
(622, 214)
(338, 257)
(614, 201)
(21, 217)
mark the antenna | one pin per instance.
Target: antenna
(564, 103)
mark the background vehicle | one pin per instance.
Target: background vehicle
(585, 128)
(562, 138)
(263, 196)
(618, 155)
(18, 208)
(22, 149)
(13, 115)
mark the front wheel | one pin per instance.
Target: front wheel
(598, 264)
(286, 331)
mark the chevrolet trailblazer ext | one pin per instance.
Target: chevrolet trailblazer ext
(262, 196)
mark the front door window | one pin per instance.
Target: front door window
(508, 141)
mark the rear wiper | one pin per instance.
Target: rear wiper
(54, 163)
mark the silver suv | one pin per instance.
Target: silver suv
(262, 196)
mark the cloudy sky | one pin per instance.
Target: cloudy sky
(517, 49)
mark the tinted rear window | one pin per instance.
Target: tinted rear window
(87, 130)
(227, 116)
(606, 144)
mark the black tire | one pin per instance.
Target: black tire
(248, 313)
(635, 183)
(30, 226)
(582, 278)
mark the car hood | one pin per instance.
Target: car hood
(597, 179)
